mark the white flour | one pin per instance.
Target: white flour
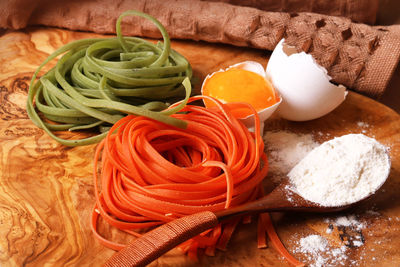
(313, 244)
(350, 229)
(363, 125)
(318, 252)
(341, 171)
(285, 149)
(349, 221)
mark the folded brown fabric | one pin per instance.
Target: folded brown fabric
(358, 56)
(364, 11)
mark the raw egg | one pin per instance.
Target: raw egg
(243, 82)
(304, 85)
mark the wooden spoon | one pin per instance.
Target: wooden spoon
(155, 243)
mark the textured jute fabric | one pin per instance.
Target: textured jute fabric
(364, 11)
(359, 56)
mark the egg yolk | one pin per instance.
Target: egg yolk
(239, 85)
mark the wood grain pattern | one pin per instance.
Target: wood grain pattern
(46, 189)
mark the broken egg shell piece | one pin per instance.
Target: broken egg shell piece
(303, 84)
(250, 66)
(263, 114)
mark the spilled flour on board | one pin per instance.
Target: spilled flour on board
(349, 229)
(319, 253)
(317, 249)
(285, 149)
(364, 126)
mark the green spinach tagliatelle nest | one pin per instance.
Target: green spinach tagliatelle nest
(96, 82)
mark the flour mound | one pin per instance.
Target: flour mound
(341, 171)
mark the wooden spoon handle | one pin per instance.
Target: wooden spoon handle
(155, 243)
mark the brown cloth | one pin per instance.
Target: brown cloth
(359, 56)
(364, 11)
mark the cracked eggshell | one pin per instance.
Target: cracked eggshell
(303, 84)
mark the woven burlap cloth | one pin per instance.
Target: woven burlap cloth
(359, 56)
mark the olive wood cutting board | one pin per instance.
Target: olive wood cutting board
(46, 189)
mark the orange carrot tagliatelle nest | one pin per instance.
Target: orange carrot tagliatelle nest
(151, 173)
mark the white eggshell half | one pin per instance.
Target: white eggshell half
(303, 84)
